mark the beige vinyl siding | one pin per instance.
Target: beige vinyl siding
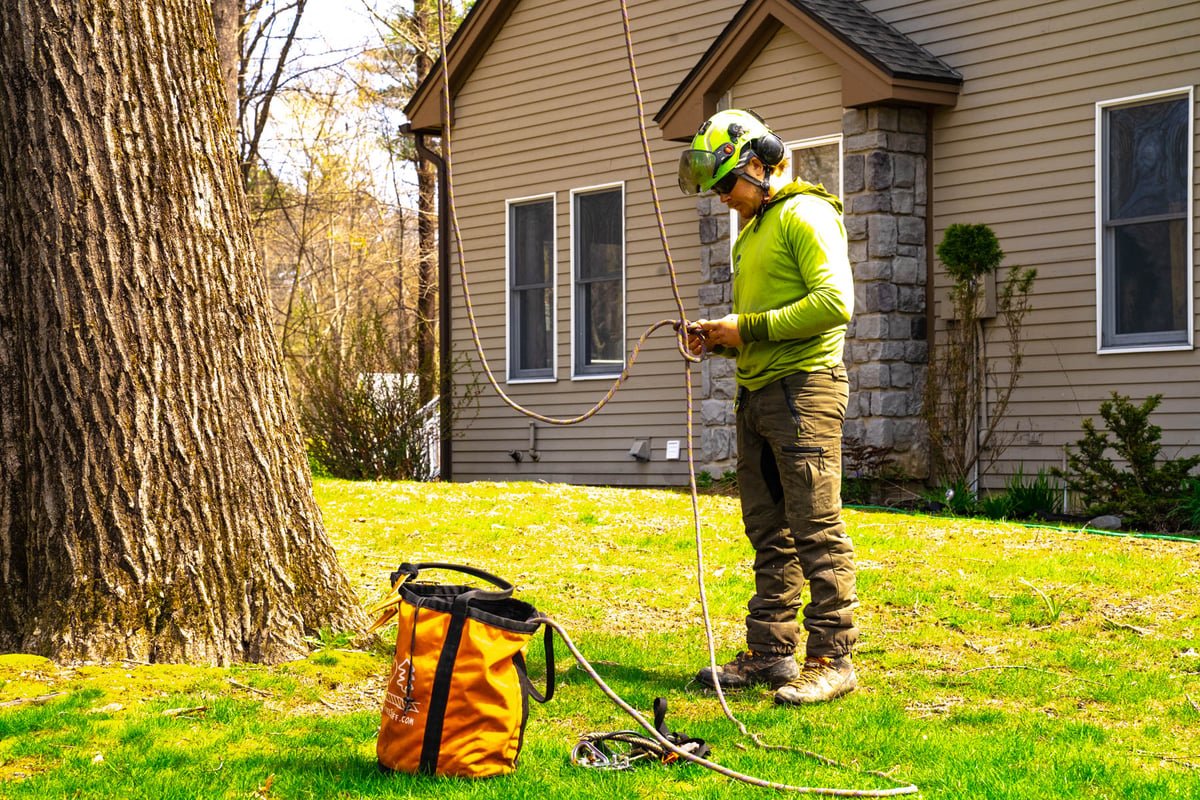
(795, 87)
(1018, 153)
(550, 108)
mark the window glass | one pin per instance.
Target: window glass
(599, 251)
(820, 163)
(1147, 159)
(1145, 260)
(531, 287)
(1149, 271)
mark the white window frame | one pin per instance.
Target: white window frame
(508, 311)
(1102, 300)
(575, 375)
(789, 148)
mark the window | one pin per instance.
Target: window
(598, 260)
(818, 161)
(531, 289)
(1143, 221)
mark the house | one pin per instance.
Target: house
(1066, 126)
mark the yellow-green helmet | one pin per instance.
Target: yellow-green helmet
(723, 145)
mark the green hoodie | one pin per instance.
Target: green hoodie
(792, 286)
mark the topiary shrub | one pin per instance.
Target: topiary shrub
(969, 252)
(959, 374)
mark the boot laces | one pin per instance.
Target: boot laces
(814, 670)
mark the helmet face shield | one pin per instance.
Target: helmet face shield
(697, 171)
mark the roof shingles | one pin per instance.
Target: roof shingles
(878, 41)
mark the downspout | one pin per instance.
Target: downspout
(930, 315)
(445, 387)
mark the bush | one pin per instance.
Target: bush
(360, 405)
(1036, 498)
(726, 484)
(1040, 498)
(866, 471)
(996, 506)
(1147, 494)
(1191, 503)
(969, 252)
(955, 497)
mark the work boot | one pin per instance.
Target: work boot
(821, 679)
(749, 668)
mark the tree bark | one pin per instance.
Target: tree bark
(155, 499)
(227, 23)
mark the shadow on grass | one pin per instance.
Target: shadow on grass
(622, 677)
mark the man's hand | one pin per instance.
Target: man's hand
(697, 341)
(723, 331)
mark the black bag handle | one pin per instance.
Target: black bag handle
(548, 643)
(505, 588)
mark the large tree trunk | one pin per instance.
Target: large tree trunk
(155, 500)
(227, 23)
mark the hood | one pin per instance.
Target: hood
(802, 187)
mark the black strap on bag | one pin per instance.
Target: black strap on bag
(530, 689)
(548, 646)
(431, 744)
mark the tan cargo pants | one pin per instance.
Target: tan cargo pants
(789, 437)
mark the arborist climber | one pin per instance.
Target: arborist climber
(792, 299)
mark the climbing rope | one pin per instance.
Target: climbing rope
(686, 753)
(680, 327)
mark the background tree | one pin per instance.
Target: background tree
(410, 49)
(267, 34)
(255, 41)
(334, 236)
(155, 501)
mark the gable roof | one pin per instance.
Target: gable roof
(464, 50)
(879, 63)
(878, 41)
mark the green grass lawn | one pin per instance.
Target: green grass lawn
(995, 661)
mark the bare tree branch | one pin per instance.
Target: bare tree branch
(263, 108)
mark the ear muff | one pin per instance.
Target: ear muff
(768, 148)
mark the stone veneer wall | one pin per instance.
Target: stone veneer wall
(886, 200)
(718, 438)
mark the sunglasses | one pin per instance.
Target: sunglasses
(727, 182)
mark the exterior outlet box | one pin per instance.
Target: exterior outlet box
(673, 450)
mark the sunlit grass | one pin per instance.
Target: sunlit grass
(995, 661)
